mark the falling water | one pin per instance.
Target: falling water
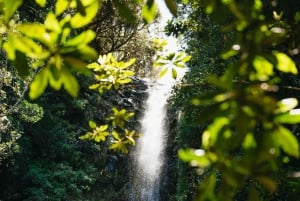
(149, 154)
(149, 151)
(148, 157)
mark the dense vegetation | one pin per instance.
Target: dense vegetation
(238, 99)
(42, 156)
(233, 119)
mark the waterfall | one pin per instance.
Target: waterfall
(149, 157)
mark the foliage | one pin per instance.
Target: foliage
(247, 134)
(111, 73)
(57, 47)
(41, 157)
(11, 94)
(50, 182)
(30, 112)
(64, 167)
(120, 139)
(49, 45)
(204, 44)
(168, 60)
(125, 39)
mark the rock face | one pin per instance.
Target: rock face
(132, 97)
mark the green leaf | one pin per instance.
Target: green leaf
(118, 146)
(172, 6)
(86, 52)
(62, 77)
(92, 124)
(174, 73)
(83, 38)
(101, 136)
(124, 65)
(230, 179)
(264, 68)
(61, 6)
(160, 63)
(229, 53)
(41, 3)
(186, 58)
(116, 135)
(38, 32)
(51, 23)
(159, 44)
(286, 105)
(79, 20)
(70, 82)
(39, 83)
(98, 134)
(291, 117)
(86, 136)
(180, 60)
(10, 48)
(287, 140)
(94, 86)
(210, 135)
(249, 141)
(26, 45)
(10, 7)
(129, 135)
(163, 72)
(124, 81)
(103, 128)
(65, 34)
(21, 64)
(149, 11)
(285, 63)
(194, 157)
(101, 133)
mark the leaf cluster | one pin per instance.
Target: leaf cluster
(110, 73)
(119, 136)
(168, 61)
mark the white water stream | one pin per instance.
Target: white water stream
(148, 157)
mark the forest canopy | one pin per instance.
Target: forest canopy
(238, 101)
